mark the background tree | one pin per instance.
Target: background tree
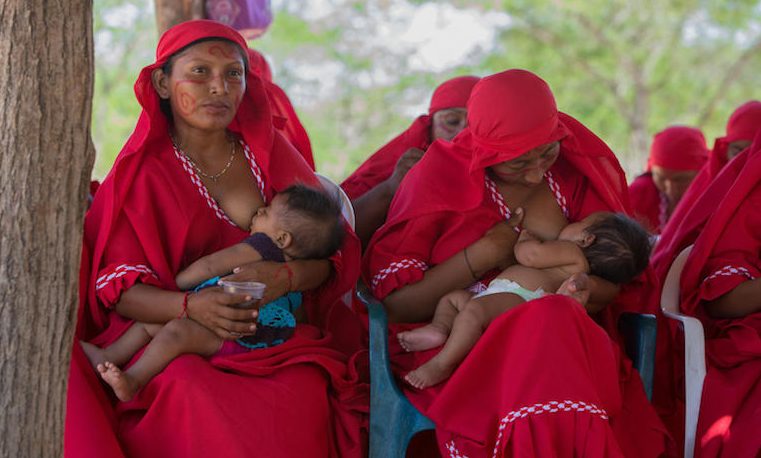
(172, 12)
(46, 158)
(358, 71)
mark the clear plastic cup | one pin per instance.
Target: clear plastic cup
(248, 288)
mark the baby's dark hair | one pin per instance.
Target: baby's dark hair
(314, 220)
(620, 250)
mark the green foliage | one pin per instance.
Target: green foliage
(626, 69)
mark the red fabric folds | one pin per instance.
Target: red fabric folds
(149, 220)
(723, 226)
(378, 167)
(446, 203)
(649, 205)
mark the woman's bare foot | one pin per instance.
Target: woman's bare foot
(96, 355)
(123, 385)
(425, 338)
(429, 374)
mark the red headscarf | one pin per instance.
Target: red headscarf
(453, 93)
(284, 116)
(678, 148)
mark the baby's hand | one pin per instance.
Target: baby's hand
(526, 236)
(516, 219)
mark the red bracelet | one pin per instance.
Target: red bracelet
(184, 313)
(289, 272)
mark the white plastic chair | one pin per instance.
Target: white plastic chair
(694, 350)
(347, 210)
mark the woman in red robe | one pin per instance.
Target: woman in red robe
(721, 285)
(544, 380)
(204, 156)
(372, 186)
(676, 156)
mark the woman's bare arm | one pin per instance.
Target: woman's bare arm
(417, 301)
(743, 300)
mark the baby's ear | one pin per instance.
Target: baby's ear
(587, 240)
(283, 240)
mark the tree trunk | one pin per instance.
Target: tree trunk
(46, 156)
(172, 12)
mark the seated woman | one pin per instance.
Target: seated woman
(446, 230)
(721, 286)
(203, 158)
(284, 115)
(676, 155)
(372, 186)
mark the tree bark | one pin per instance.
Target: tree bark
(46, 156)
(172, 12)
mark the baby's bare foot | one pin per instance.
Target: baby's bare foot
(425, 338)
(429, 374)
(96, 355)
(123, 385)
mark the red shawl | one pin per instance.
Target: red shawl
(446, 203)
(284, 115)
(674, 148)
(723, 226)
(151, 218)
(377, 168)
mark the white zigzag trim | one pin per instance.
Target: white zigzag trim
(453, 451)
(255, 170)
(504, 210)
(729, 271)
(549, 407)
(559, 197)
(663, 210)
(121, 271)
(397, 266)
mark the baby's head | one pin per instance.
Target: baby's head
(304, 222)
(616, 247)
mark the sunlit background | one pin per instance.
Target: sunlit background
(358, 72)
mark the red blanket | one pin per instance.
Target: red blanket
(723, 225)
(377, 168)
(431, 219)
(150, 219)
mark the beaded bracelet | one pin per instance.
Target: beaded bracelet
(184, 313)
(470, 267)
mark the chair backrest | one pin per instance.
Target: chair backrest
(346, 208)
(670, 292)
(639, 331)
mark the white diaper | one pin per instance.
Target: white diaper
(503, 285)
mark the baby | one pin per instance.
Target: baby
(300, 223)
(609, 245)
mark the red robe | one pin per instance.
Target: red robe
(150, 219)
(723, 226)
(487, 408)
(678, 148)
(453, 93)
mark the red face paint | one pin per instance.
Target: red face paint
(219, 50)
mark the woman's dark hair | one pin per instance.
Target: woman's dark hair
(167, 66)
(620, 250)
(314, 220)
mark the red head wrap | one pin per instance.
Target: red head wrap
(510, 113)
(744, 122)
(678, 148)
(259, 65)
(452, 93)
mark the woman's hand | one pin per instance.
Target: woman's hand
(278, 277)
(495, 248)
(403, 165)
(213, 308)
